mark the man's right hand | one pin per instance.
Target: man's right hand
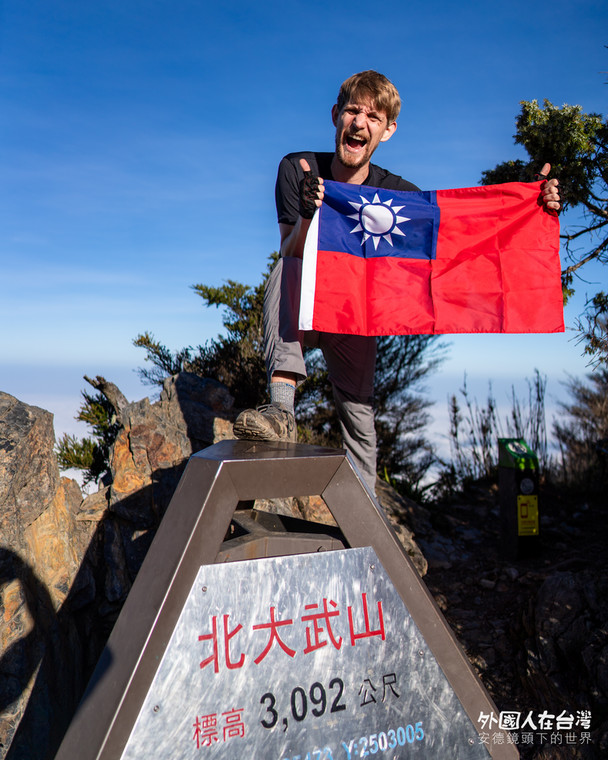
(311, 191)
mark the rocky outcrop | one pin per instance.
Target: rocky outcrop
(37, 568)
(67, 560)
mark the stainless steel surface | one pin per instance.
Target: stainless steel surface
(332, 680)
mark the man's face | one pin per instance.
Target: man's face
(360, 128)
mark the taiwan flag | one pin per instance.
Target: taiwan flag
(479, 259)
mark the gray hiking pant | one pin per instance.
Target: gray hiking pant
(351, 362)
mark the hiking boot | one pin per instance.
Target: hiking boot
(266, 423)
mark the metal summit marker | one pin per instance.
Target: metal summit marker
(309, 665)
(249, 635)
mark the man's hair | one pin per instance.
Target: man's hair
(375, 87)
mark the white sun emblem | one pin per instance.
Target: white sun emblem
(377, 219)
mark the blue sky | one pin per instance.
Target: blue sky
(139, 141)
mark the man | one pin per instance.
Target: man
(364, 115)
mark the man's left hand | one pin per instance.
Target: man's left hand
(549, 196)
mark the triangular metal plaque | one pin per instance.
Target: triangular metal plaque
(161, 689)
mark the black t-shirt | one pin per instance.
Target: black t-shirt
(287, 190)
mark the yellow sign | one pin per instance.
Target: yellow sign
(527, 515)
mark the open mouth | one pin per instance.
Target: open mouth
(355, 143)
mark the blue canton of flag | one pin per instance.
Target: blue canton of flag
(372, 222)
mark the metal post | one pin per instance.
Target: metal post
(518, 495)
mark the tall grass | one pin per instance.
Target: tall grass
(475, 428)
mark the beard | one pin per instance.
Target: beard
(350, 160)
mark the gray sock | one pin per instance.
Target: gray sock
(283, 394)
